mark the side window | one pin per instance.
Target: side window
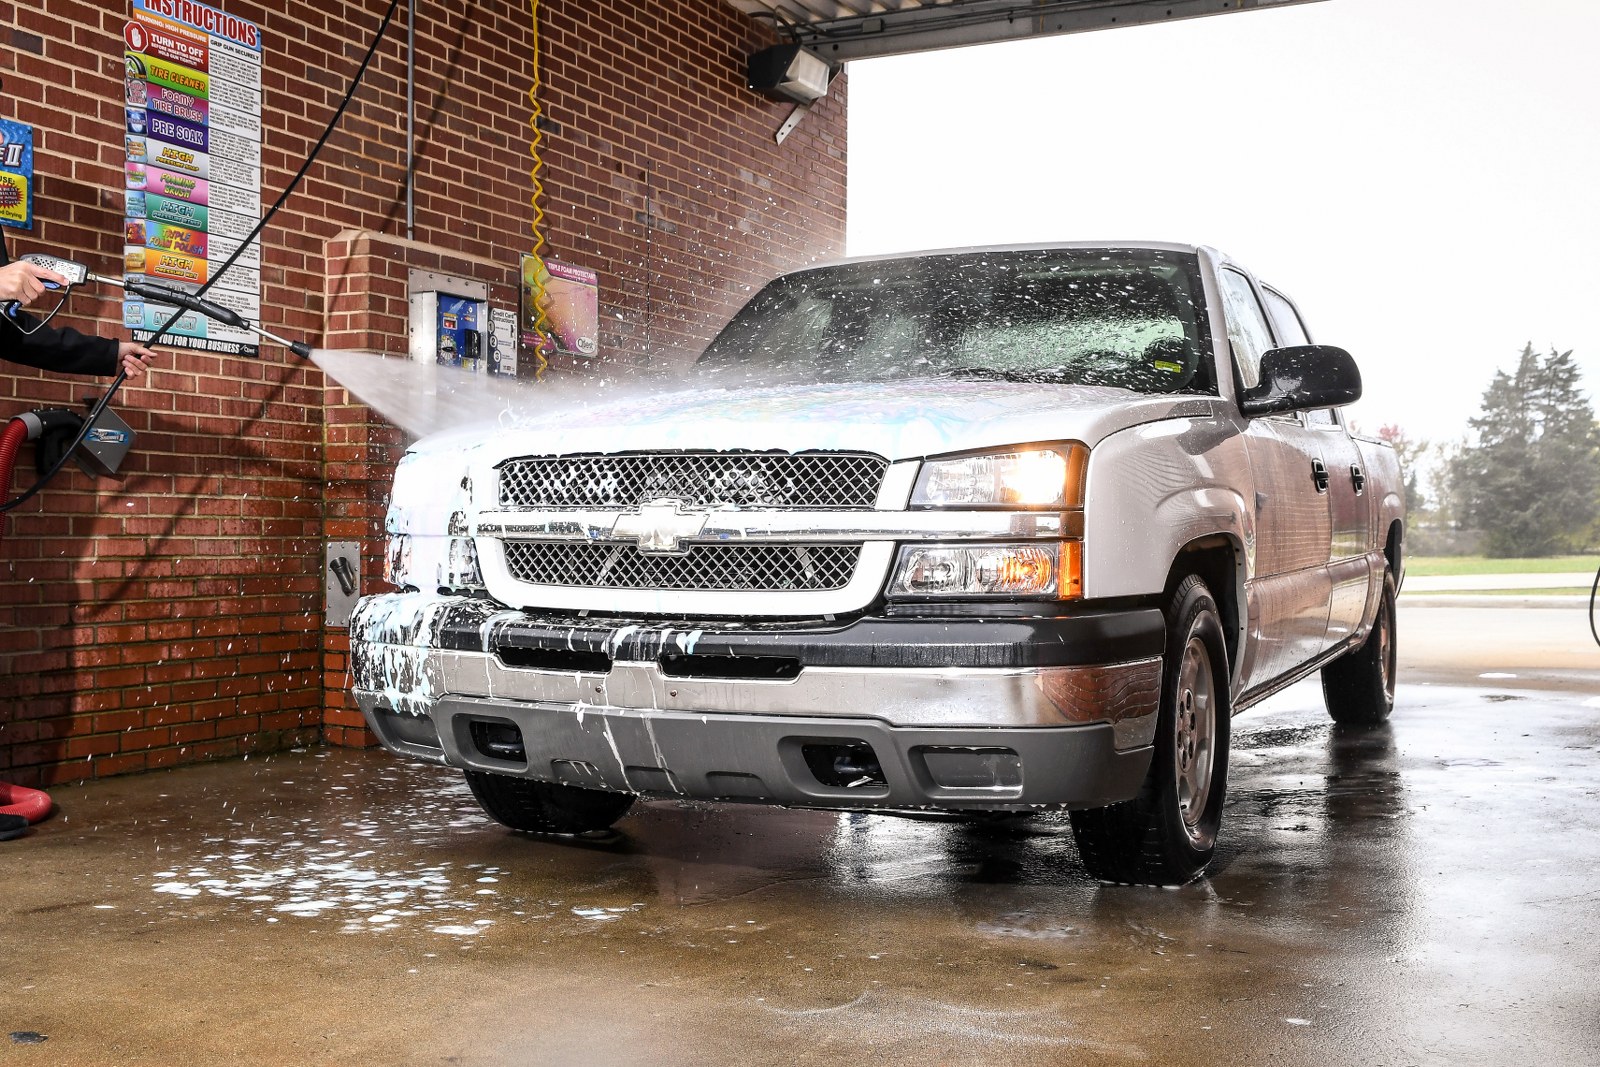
(1247, 326)
(1285, 319)
(1320, 417)
(1291, 331)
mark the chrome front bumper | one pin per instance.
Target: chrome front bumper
(1027, 730)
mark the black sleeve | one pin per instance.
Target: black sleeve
(65, 350)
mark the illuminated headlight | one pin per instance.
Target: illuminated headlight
(1028, 570)
(1030, 478)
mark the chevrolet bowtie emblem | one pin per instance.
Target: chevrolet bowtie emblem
(659, 526)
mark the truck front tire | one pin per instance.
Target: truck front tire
(545, 807)
(1358, 687)
(1168, 833)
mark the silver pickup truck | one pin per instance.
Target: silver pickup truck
(984, 530)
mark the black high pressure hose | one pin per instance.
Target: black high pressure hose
(316, 150)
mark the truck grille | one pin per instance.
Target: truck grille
(721, 568)
(757, 480)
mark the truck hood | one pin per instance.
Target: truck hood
(896, 420)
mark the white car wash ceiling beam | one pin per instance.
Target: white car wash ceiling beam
(842, 30)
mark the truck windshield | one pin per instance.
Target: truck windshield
(1133, 318)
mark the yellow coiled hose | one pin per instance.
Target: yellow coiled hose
(541, 320)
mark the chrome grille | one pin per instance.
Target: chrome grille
(722, 568)
(756, 480)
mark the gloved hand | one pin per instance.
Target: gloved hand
(24, 282)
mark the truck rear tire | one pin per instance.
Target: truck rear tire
(1358, 687)
(545, 807)
(1167, 834)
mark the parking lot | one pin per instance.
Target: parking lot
(1425, 893)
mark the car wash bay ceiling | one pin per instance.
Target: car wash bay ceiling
(842, 30)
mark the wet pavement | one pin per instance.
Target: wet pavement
(1425, 893)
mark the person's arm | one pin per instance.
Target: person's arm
(64, 350)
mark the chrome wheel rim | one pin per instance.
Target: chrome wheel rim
(1386, 647)
(1195, 736)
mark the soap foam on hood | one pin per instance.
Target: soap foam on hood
(468, 413)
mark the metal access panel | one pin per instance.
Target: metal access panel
(341, 582)
(840, 32)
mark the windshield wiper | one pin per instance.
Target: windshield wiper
(1041, 376)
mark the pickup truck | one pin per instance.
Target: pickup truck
(992, 530)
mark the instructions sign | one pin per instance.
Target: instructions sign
(16, 174)
(193, 104)
(503, 342)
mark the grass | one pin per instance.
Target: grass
(1573, 591)
(1433, 566)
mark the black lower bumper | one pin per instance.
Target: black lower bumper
(843, 762)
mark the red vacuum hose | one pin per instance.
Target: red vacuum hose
(16, 432)
(30, 804)
(16, 802)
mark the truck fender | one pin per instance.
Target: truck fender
(1155, 488)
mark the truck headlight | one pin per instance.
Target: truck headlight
(429, 544)
(1050, 569)
(1047, 477)
(443, 564)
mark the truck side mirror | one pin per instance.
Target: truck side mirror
(1303, 377)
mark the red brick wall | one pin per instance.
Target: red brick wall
(176, 615)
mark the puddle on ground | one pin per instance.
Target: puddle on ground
(1281, 737)
(1029, 925)
(332, 861)
(351, 888)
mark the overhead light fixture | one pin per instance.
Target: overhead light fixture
(789, 72)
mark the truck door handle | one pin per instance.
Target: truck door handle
(1319, 475)
(1357, 479)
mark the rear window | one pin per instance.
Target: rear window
(1131, 318)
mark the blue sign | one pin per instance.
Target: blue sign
(16, 174)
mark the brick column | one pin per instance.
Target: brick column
(368, 310)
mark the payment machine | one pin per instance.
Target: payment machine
(448, 329)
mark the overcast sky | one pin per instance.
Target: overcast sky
(1422, 176)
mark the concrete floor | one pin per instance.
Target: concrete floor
(1421, 894)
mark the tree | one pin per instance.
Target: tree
(1411, 455)
(1531, 482)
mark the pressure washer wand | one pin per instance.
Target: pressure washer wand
(166, 294)
(76, 274)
